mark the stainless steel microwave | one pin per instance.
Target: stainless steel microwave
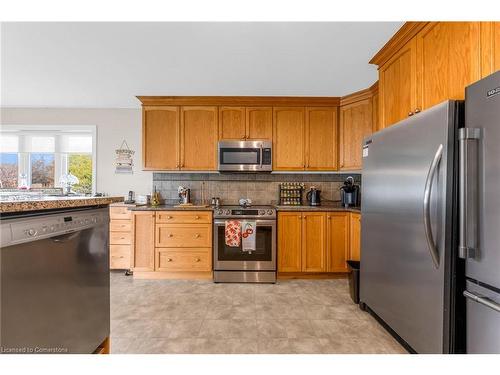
(245, 156)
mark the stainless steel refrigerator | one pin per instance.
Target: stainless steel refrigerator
(430, 199)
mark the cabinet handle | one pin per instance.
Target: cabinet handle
(197, 235)
(417, 110)
(197, 260)
(196, 217)
(170, 235)
(169, 217)
(169, 259)
(410, 113)
(329, 217)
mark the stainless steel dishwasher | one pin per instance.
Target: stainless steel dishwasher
(54, 281)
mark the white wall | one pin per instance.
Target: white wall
(113, 125)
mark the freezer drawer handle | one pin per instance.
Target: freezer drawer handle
(427, 207)
(468, 192)
(483, 301)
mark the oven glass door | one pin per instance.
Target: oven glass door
(239, 156)
(233, 258)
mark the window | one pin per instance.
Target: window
(46, 157)
(8, 170)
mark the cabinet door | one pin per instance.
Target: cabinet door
(448, 60)
(321, 139)
(398, 85)
(259, 122)
(355, 236)
(289, 242)
(337, 235)
(355, 124)
(143, 241)
(232, 123)
(314, 242)
(198, 138)
(160, 138)
(490, 48)
(288, 138)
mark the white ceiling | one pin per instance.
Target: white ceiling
(107, 64)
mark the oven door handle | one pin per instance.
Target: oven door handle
(259, 222)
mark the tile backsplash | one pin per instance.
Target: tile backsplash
(230, 187)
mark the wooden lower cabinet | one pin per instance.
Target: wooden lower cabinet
(337, 241)
(355, 236)
(120, 239)
(143, 240)
(172, 244)
(314, 242)
(290, 241)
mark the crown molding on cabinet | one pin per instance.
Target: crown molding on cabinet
(359, 95)
(240, 101)
(402, 36)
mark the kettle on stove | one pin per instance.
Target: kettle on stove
(313, 197)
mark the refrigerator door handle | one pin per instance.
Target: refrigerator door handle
(427, 206)
(468, 191)
(482, 300)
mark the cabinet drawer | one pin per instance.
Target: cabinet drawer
(120, 238)
(183, 260)
(180, 217)
(119, 256)
(181, 235)
(120, 226)
(119, 213)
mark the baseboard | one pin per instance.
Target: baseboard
(311, 275)
(173, 275)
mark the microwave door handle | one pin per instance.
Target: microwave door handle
(261, 154)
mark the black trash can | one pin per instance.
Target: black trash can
(354, 279)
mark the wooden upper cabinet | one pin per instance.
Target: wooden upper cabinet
(355, 236)
(199, 138)
(289, 242)
(160, 138)
(288, 136)
(259, 123)
(143, 240)
(448, 60)
(337, 241)
(232, 123)
(356, 123)
(490, 48)
(321, 138)
(314, 242)
(397, 85)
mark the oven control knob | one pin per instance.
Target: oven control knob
(227, 212)
(31, 232)
(269, 212)
(262, 212)
(218, 212)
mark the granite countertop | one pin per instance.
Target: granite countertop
(50, 203)
(324, 207)
(169, 207)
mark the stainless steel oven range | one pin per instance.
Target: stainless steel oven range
(231, 264)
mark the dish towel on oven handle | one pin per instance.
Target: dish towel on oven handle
(232, 233)
(248, 232)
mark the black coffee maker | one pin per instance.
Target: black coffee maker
(313, 197)
(349, 193)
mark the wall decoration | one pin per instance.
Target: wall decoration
(124, 161)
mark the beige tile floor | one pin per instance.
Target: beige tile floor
(292, 316)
